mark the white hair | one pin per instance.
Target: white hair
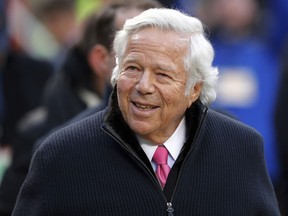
(198, 61)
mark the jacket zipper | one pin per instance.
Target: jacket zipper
(170, 209)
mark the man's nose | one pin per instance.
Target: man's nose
(145, 84)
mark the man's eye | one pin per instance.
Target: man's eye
(164, 75)
(131, 72)
(131, 68)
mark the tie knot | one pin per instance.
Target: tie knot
(160, 156)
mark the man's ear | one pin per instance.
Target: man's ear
(195, 93)
(98, 58)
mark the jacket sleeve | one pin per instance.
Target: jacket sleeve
(31, 199)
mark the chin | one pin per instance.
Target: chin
(142, 129)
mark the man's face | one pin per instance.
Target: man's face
(152, 83)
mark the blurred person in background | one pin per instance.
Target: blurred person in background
(249, 71)
(276, 20)
(249, 76)
(22, 79)
(59, 17)
(45, 29)
(82, 82)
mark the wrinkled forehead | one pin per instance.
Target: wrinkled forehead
(161, 37)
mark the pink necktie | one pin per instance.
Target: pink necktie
(160, 158)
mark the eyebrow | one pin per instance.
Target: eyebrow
(167, 68)
(159, 66)
(131, 58)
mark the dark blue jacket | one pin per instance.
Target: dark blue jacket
(97, 167)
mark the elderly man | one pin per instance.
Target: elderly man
(157, 149)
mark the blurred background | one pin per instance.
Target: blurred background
(250, 38)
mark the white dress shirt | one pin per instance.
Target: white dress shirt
(174, 145)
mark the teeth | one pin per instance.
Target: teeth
(145, 107)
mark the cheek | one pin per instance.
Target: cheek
(176, 100)
(121, 89)
(124, 86)
(174, 95)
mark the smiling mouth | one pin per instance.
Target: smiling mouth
(145, 107)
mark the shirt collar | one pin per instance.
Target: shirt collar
(174, 144)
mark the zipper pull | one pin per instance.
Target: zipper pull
(170, 209)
